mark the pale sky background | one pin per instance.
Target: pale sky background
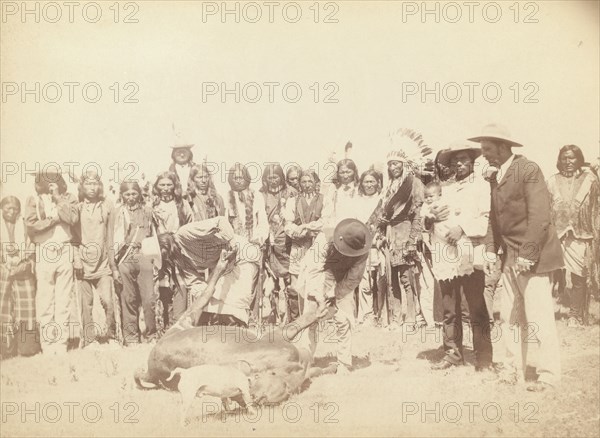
(369, 53)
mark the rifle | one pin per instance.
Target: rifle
(586, 304)
(78, 309)
(116, 294)
(412, 278)
(258, 289)
(388, 272)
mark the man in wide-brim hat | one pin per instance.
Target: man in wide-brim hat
(480, 169)
(182, 163)
(520, 225)
(332, 268)
(444, 156)
(496, 132)
(458, 222)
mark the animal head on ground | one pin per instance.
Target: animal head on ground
(268, 387)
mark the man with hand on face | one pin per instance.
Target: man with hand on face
(50, 217)
(520, 224)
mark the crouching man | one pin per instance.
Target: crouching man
(332, 268)
(197, 246)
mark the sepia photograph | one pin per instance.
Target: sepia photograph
(300, 218)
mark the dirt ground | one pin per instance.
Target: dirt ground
(392, 393)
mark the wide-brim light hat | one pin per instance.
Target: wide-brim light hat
(495, 131)
(443, 156)
(182, 145)
(352, 238)
(179, 140)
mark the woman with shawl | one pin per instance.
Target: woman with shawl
(17, 284)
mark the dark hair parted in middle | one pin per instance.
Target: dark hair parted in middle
(350, 164)
(578, 155)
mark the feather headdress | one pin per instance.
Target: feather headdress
(408, 146)
(334, 157)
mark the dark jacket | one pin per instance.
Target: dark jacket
(520, 217)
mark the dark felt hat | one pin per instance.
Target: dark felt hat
(352, 238)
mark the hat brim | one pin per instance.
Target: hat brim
(443, 156)
(182, 146)
(343, 248)
(489, 137)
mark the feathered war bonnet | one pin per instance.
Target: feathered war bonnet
(408, 147)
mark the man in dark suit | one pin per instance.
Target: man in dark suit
(520, 226)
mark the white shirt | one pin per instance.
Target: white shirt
(341, 203)
(366, 206)
(504, 167)
(450, 261)
(474, 215)
(261, 223)
(316, 281)
(233, 293)
(60, 233)
(49, 205)
(183, 172)
(168, 216)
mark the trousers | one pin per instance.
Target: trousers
(55, 297)
(527, 317)
(138, 286)
(86, 289)
(471, 287)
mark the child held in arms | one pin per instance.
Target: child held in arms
(449, 258)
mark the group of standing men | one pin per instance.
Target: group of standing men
(308, 251)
